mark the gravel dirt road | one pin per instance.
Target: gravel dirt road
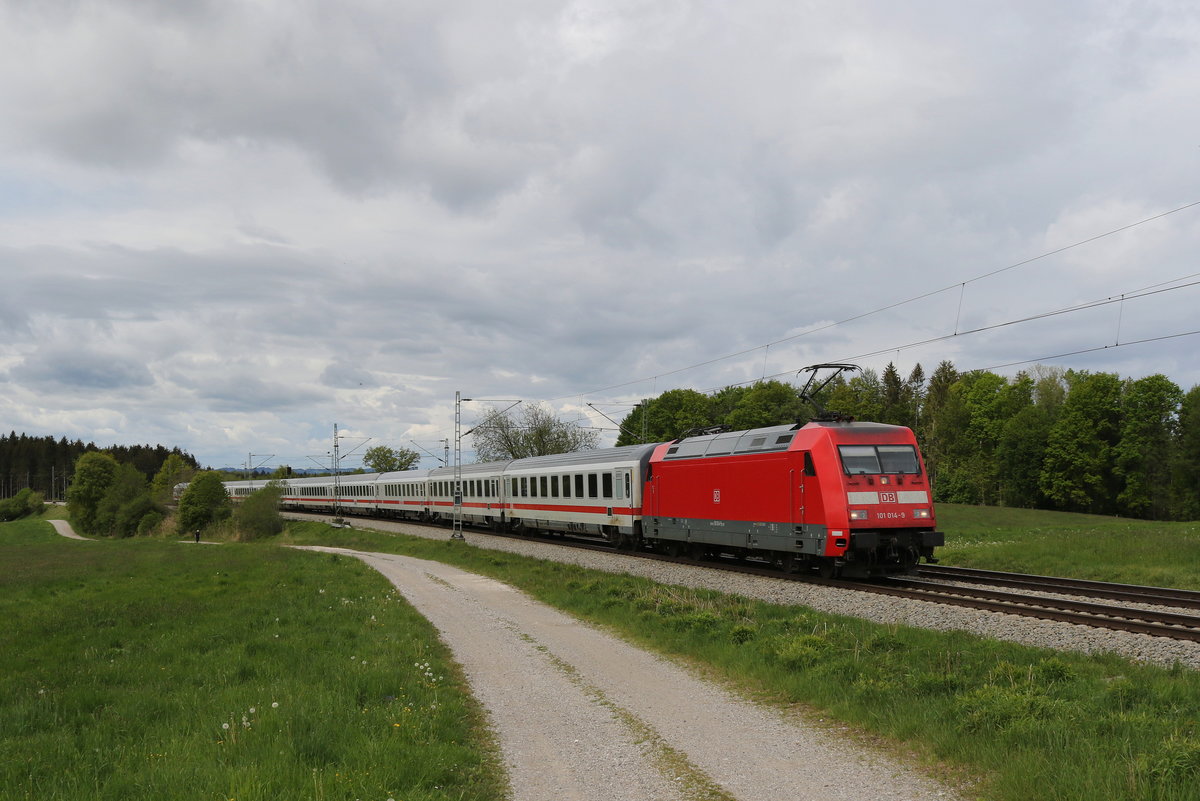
(582, 715)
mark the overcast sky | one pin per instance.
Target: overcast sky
(226, 226)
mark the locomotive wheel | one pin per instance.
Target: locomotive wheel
(827, 569)
(787, 562)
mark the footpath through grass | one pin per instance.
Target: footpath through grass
(1080, 546)
(1032, 724)
(159, 670)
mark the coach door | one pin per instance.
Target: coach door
(799, 481)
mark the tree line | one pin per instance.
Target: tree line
(44, 464)
(1048, 438)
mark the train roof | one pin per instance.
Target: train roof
(756, 440)
(404, 475)
(469, 469)
(579, 459)
(769, 439)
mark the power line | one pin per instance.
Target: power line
(1142, 292)
(959, 285)
(1095, 304)
(1091, 350)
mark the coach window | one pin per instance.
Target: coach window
(532, 486)
(628, 485)
(578, 485)
(545, 487)
(606, 485)
(593, 486)
(566, 485)
(524, 487)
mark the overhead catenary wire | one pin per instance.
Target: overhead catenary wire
(961, 285)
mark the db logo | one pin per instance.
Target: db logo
(887, 497)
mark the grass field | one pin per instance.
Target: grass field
(1082, 546)
(159, 670)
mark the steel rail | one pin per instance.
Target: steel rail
(1134, 593)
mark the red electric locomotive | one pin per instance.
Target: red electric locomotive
(841, 497)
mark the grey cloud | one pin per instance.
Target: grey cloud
(246, 394)
(347, 375)
(81, 370)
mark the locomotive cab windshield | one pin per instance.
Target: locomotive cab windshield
(880, 460)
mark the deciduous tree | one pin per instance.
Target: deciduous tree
(1077, 474)
(768, 403)
(94, 473)
(669, 415)
(531, 431)
(383, 459)
(1149, 416)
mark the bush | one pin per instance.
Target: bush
(149, 522)
(258, 515)
(204, 502)
(131, 514)
(24, 503)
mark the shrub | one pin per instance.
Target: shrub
(24, 503)
(129, 517)
(258, 515)
(149, 523)
(204, 502)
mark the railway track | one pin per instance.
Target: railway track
(1153, 622)
(1130, 593)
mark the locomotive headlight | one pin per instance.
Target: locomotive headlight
(858, 514)
(921, 514)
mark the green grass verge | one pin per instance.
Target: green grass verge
(158, 670)
(1028, 723)
(1081, 546)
